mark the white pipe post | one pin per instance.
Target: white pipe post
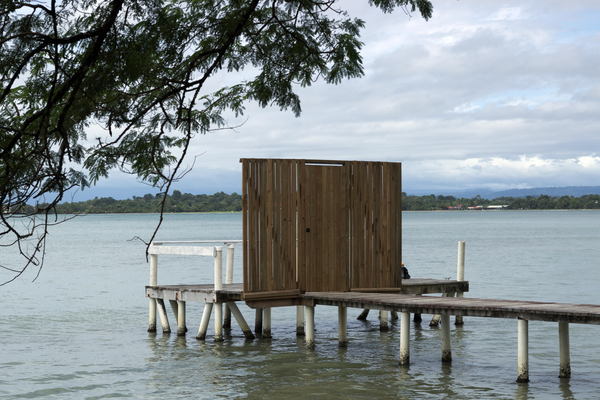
(228, 281)
(309, 327)
(204, 322)
(404, 338)
(162, 314)
(218, 255)
(152, 302)
(218, 322)
(446, 345)
(383, 321)
(522, 350)
(266, 332)
(181, 328)
(343, 326)
(299, 320)
(460, 275)
(218, 307)
(565, 358)
(235, 311)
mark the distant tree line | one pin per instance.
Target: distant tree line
(543, 202)
(150, 203)
(223, 202)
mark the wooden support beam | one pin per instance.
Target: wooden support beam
(204, 321)
(460, 275)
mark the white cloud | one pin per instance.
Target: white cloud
(483, 94)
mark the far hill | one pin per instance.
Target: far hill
(574, 191)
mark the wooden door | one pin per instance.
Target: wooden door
(324, 255)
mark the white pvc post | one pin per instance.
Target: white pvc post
(522, 350)
(342, 326)
(228, 280)
(152, 302)
(565, 358)
(460, 275)
(383, 321)
(299, 320)
(309, 327)
(446, 346)
(204, 322)
(460, 261)
(404, 338)
(266, 332)
(218, 322)
(235, 311)
(218, 254)
(162, 314)
(181, 329)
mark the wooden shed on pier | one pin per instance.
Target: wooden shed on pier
(316, 225)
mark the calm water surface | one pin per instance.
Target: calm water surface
(78, 332)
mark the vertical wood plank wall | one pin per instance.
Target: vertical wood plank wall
(319, 225)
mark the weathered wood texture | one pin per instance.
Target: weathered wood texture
(491, 308)
(321, 225)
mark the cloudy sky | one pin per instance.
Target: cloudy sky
(486, 94)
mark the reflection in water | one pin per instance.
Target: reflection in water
(522, 392)
(565, 389)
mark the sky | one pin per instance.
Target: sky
(485, 94)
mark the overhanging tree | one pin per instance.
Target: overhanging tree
(140, 69)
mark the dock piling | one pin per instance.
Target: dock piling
(258, 321)
(152, 302)
(522, 350)
(266, 331)
(404, 338)
(299, 320)
(343, 326)
(363, 315)
(218, 322)
(204, 321)
(383, 321)
(565, 358)
(235, 311)
(460, 275)
(228, 280)
(181, 328)
(218, 307)
(446, 345)
(309, 327)
(162, 313)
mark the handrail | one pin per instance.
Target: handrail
(226, 241)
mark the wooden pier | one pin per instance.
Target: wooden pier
(328, 233)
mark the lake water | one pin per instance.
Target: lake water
(79, 331)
